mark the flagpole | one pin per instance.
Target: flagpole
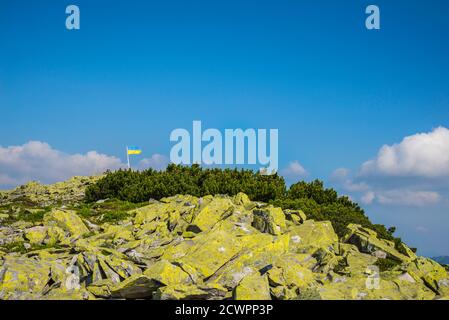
(127, 156)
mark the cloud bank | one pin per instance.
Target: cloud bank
(156, 161)
(413, 172)
(293, 170)
(419, 155)
(38, 161)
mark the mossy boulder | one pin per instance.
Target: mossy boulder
(270, 220)
(191, 292)
(69, 191)
(135, 287)
(253, 287)
(432, 274)
(48, 235)
(312, 236)
(367, 241)
(167, 273)
(66, 220)
(296, 216)
(211, 247)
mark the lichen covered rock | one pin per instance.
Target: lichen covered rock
(66, 220)
(253, 287)
(367, 241)
(214, 247)
(270, 220)
(35, 193)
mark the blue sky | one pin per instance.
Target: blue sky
(337, 92)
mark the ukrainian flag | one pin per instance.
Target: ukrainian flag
(134, 150)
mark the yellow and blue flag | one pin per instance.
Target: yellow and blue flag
(134, 150)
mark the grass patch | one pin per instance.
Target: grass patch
(32, 216)
(111, 211)
(18, 247)
(22, 213)
(85, 212)
(386, 264)
(114, 216)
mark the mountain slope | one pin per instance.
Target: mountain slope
(211, 247)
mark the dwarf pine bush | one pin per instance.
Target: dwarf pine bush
(318, 202)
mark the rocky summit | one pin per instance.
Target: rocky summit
(35, 193)
(184, 247)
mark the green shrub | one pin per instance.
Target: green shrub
(18, 247)
(111, 210)
(386, 264)
(26, 214)
(140, 186)
(313, 198)
(114, 216)
(85, 212)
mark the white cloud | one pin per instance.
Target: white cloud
(422, 229)
(410, 173)
(404, 197)
(342, 176)
(420, 155)
(294, 170)
(408, 197)
(401, 196)
(156, 161)
(382, 194)
(368, 197)
(37, 160)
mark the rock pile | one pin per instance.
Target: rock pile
(42, 195)
(216, 247)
